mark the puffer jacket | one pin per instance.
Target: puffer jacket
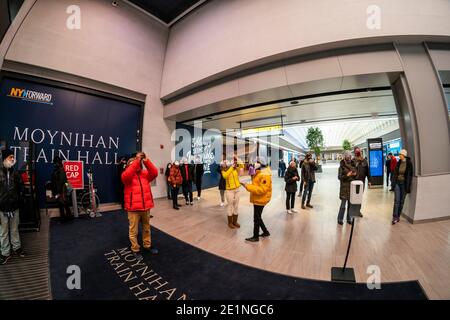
(231, 176)
(344, 168)
(175, 176)
(261, 187)
(137, 191)
(10, 189)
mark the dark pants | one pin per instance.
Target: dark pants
(308, 190)
(257, 221)
(198, 185)
(342, 211)
(187, 191)
(388, 175)
(175, 191)
(290, 200)
(301, 188)
(399, 199)
(169, 190)
(64, 209)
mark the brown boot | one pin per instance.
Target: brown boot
(235, 223)
(230, 222)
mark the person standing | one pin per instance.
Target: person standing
(59, 188)
(260, 194)
(138, 175)
(388, 168)
(291, 178)
(401, 182)
(175, 180)
(198, 175)
(169, 187)
(281, 168)
(309, 179)
(187, 173)
(393, 166)
(222, 182)
(120, 169)
(347, 173)
(11, 187)
(232, 184)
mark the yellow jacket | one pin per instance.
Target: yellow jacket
(261, 187)
(231, 176)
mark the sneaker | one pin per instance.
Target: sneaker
(265, 234)
(252, 239)
(151, 250)
(340, 222)
(187, 203)
(19, 252)
(138, 256)
(98, 215)
(303, 206)
(198, 198)
(222, 204)
(3, 259)
(349, 222)
(192, 203)
(176, 208)
(289, 211)
(309, 206)
(294, 211)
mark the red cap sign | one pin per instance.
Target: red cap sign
(74, 172)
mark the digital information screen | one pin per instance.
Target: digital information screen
(376, 163)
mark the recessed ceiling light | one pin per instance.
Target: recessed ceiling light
(209, 118)
(294, 102)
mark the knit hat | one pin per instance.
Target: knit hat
(6, 153)
(404, 152)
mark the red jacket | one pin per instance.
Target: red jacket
(175, 176)
(137, 190)
(393, 163)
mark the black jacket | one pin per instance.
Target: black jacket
(362, 169)
(344, 169)
(222, 181)
(308, 170)
(291, 184)
(282, 165)
(198, 172)
(408, 174)
(10, 189)
(59, 180)
(190, 172)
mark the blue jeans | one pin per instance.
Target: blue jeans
(308, 190)
(342, 211)
(9, 229)
(399, 199)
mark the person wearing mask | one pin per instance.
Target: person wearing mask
(222, 182)
(388, 168)
(231, 175)
(291, 178)
(362, 169)
(347, 173)
(120, 169)
(401, 182)
(187, 172)
(393, 166)
(11, 188)
(309, 179)
(138, 175)
(198, 175)
(59, 189)
(260, 194)
(281, 168)
(169, 187)
(175, 180)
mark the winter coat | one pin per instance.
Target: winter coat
(190, 169)
(282, 165)
(291, 184)
(344, 168)
(198, 172)
(408, 174)
(59, 180)
(393, 163)
(362, 169)
(231, 176)
(10, 189)
(261, 187)
(175, 176)
(138, 193)
(308, 171)
(222, 182)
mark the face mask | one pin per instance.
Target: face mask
(357, 153)
(257, 165)
(9, 163)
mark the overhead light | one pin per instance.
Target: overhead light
(294, 102)
(209, 118)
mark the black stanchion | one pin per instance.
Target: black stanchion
(345, 274)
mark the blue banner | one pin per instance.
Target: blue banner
(71, 125)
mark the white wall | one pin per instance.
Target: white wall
(224, 35)
(119, 46)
